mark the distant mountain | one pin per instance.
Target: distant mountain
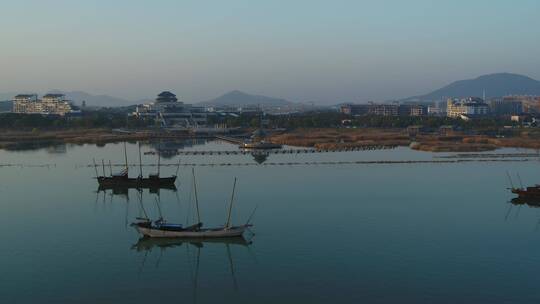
(6, 106)
(495, 85)
(7, 96)
(241, 99)
(94, 100)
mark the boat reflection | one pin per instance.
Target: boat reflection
(168, 149)
(531, 202)
(124, 190)
(260, 156)
(148, 244)
(519, 202)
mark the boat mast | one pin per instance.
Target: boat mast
(125, 157)
(95, 167)
(159, 208)
(196, 196)
(230, 205)
(140, 160)
(177, 168)
(158, 158)
(103, 165)
(110, 167)
(141, 204)
(232, 266)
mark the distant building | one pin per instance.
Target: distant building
(470, 107)
(506, 107)
(436, 111)
(26, 103)
(355, 109)
(529, 104)
(385, 110)
(418, 110)
(50, 104)
(56, 104)
(170, 112)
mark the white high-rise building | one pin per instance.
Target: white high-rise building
(55, 104)
(468, 107)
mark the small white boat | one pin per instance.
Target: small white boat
(161, 229)
(149, 229)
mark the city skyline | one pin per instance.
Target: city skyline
(303, 51)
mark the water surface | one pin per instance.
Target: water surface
(407, 233)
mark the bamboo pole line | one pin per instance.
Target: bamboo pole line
(357, 162)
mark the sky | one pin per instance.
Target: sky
(301, 50)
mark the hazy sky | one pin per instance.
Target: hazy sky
(303, 50)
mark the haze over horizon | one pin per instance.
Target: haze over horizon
(322, 51)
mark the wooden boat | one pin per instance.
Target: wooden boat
(156, 230)
(528, 192)
(122, 179)
(162, 229)
(524, 193)
(151, 187)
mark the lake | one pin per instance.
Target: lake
(350, 233)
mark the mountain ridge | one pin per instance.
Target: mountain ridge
(494, 85)
(239, 98)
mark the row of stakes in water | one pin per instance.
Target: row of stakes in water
(287, 151)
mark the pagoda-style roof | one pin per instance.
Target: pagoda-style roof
(25, 95)
(166, 96)
(50, 95)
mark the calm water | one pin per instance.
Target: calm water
(425, 233)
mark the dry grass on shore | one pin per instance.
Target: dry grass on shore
(346, 138)
(12, 138)
(340, 138)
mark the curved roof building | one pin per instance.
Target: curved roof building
(166, 96)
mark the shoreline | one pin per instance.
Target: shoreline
(323, 139)
(351, 138)
(15, 139)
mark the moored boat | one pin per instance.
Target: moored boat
(162, 229)
(122, 179)
(153, 230)
(528, 192)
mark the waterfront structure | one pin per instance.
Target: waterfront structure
(50, 104)
(466, 108)
(170, 112)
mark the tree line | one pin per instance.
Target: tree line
(88, 120)
(322, 119)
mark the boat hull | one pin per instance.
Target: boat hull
(529, 192)
(112, 182)
(260, 146)
(202, 233)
